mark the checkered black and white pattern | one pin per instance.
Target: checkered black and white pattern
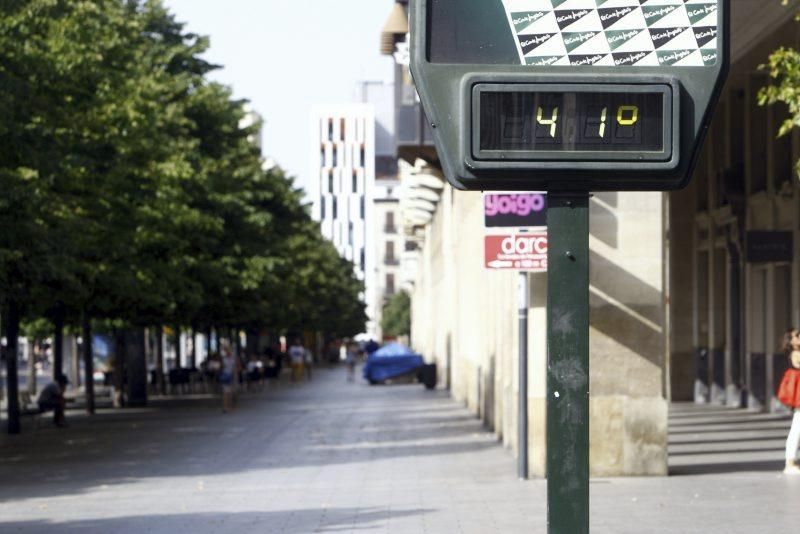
(615, 33)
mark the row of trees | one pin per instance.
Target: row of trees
(131, 192)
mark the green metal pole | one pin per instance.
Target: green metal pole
(568, 364)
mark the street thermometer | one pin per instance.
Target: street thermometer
(589, 95)
(569, 97)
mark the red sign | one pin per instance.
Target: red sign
(517, 251)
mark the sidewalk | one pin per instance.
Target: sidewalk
(336, 457)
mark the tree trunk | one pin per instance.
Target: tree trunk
(162, 387)
(75, 362)
(12, 383)
(135, 368)
(178, 347)
(88, 363)
(193, 354)
(237, 342)
(253, 341)
(33, 348)
(208, 342)
(58, 342)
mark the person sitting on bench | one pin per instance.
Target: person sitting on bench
(52, 398)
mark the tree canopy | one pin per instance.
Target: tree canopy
(133, 190)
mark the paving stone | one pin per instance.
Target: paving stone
(329, 456)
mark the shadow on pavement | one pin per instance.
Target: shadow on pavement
(301, 521)
(312, 425)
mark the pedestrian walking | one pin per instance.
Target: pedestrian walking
(297, 357)
(789, 395)
(229, 374)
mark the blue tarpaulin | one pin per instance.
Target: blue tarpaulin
(391, 361)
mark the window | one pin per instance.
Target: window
(330, 182)
(322, 156)
(362, 208)
(389, 254)
(342, 128)
(350, 233)
(390, 284)
(330, 129)
(362, 157)
(355, 182)
(321, 207)
(335, 151)
(335, 208)
(361, 260)
(389, 223)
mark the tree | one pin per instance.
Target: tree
(396, 319)
(132, 194)
(783, 67)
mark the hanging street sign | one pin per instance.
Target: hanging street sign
(591, 95)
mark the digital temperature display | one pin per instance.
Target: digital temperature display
(582, 125)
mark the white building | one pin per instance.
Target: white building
(389, 244)
(341, 187)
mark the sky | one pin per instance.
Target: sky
(285, 56)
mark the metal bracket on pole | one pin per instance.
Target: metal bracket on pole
(568, 363)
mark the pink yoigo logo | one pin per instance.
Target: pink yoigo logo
(521, 204)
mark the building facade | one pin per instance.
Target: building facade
(690, 291)
(389, 244)
(341, 187)
(734, 233)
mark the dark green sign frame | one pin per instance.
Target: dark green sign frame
(446, 91)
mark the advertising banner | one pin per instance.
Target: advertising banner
(515, 231)
(523, 210)
(516, 251)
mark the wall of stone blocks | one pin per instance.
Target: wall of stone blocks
(465, 319)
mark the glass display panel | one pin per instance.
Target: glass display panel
(568, 121)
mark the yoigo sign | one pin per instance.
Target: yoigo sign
(569, 94)
(514, 210)
(515, 231)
